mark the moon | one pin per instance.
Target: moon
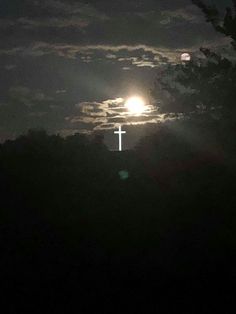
(185, 57)
(135, 105)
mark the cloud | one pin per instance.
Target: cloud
(52, 22)
(92, 109)
(87, 53)
(37, 114)
(47, 8)
(110, 113)
(63, 52)
(71, 131)
(61, 91)
(126, 68)
(190, 14)
(27, 97)
(127, 55)
(10, 67)
(49, 14)
(26, 108)
(148, 23)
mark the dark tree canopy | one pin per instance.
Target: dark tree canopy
(227, 26)
(204, 85)
(73, 225)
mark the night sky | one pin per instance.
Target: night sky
(68, 65)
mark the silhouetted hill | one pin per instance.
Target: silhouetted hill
(83, 225)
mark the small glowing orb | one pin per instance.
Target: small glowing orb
(135, 105)
(185, 57)
(124, 175)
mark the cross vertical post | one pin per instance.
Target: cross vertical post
(120, 132)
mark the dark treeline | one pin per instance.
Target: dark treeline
(83, 225)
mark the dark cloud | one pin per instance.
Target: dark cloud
(103, 22)
(24, 108)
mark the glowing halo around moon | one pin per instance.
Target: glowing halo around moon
(135, 105)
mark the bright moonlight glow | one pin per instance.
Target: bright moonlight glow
(135, 105)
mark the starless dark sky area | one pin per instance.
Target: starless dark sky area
(67, 65)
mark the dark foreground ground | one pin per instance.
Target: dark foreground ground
(145, 231)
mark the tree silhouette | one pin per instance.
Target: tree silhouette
(71, 224)
(202, 86)
(227, 26)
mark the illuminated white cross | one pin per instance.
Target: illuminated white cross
(120, 137)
